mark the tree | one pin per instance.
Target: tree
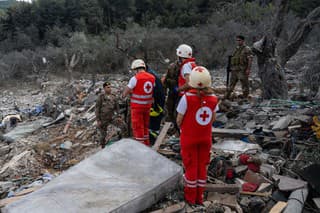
(271, 67)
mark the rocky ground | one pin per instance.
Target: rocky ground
(283, 132)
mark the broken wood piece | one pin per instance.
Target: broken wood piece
(91, 108)
(7, 201)
(166, 152)
(222, 188)
(278, 207)
(261, 194)
(27, 191)
(67, 126)
(170, 209)
(264, 187)
(161, 136)
(17, 196)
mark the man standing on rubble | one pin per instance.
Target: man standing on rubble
(156, 111)
(171, 84)
(141, 87)
(106, 109)
(196, 113)
(241, 61)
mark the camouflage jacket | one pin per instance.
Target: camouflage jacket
(106, 107)
(171, 79)
(239, 59)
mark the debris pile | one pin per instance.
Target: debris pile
(264, 157)
(265, 154)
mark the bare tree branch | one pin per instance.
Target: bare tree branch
(300, 34)
(279, 21)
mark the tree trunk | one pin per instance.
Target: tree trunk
(271, 72)
(274, 84)
(299, 36)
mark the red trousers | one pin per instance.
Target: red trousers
(195, 155)
(140, 118)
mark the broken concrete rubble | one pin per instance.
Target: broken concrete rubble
(24, 129)
(236, 146)
(296, 201)
(289, 184)
(283, 152)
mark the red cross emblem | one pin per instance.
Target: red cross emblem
(147, 87)
(203, 115)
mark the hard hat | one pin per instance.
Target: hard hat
(200, 77)
(184, 51)
(138, 63)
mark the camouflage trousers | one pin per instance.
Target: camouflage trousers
(171, 104)
(114, 130)
(244, 80)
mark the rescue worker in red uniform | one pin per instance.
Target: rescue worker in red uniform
(196, 113)
(187, 63)
(141, 88)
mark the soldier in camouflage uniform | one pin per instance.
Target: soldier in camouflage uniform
(171, 84)
(106, 109)
(241, 61)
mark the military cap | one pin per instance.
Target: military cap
(106, 84)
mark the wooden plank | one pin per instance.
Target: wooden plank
(27, 191)
(7, 201)
(161, 136)
(278, 207)
(166, 152)
(261, 194)
(170, 209)
(17, 196)
(222, 188)
(69, 122)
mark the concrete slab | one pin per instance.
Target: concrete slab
(288, 183)
(236, 146)
(124, 177)
(219, 132)
(317, 202)
(22, 130)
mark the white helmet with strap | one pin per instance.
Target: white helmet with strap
(138, 63)
(184, 51)
(200, 78)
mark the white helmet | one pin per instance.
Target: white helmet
(184, 51)
(138, 63)
(200, 78)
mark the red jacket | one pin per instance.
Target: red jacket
(142, 93)
(181, 79)
(197, 119)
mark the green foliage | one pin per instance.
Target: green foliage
(303, 7)
(150, 29)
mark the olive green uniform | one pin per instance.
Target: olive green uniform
(171, 83)
(106, 108)
(239, 64)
